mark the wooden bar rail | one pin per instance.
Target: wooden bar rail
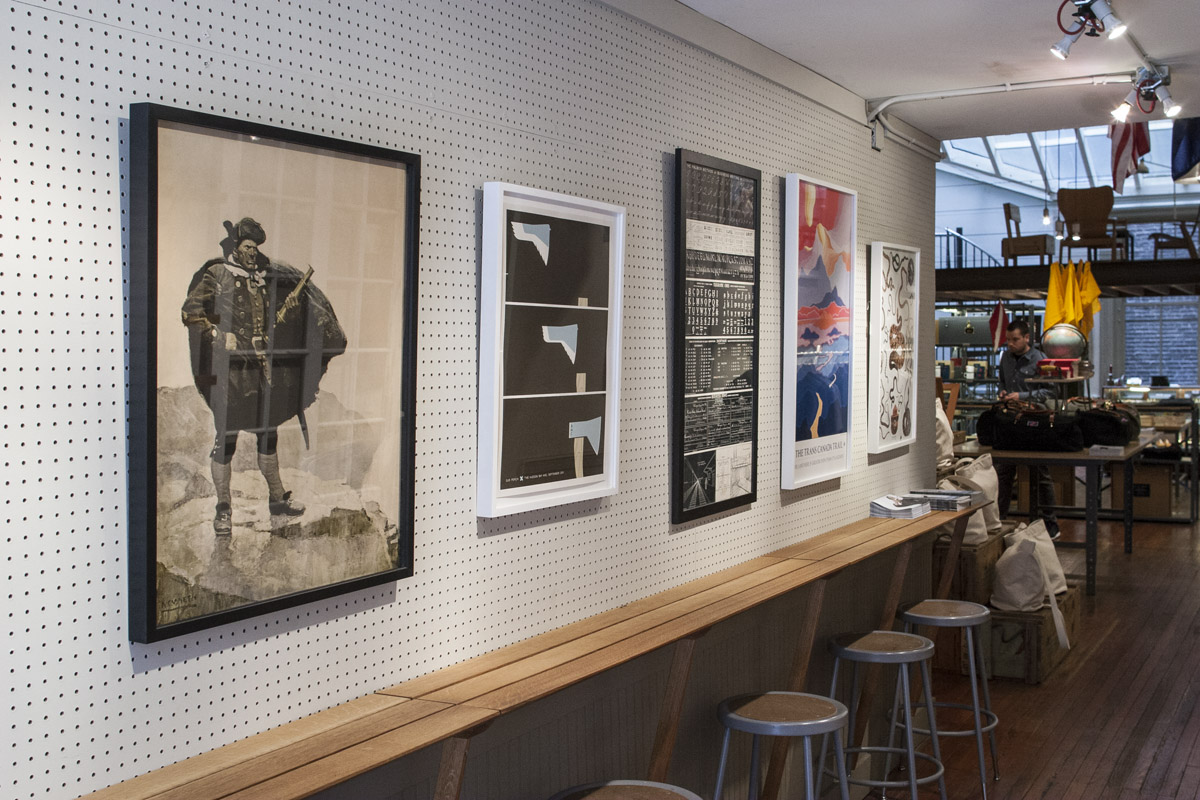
(453, 704)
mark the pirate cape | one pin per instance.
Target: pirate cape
(261, 387)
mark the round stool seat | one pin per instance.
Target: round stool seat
(783, 714)
(882, 647)
(946, 614)
(626, 790)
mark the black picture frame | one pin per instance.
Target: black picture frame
(714, 398)
(215, 355)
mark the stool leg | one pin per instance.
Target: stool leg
(987, 703)
(752, 792)
(721, 768)
(933, 734)
(975, 708)
(893, 724)
(825, 737)
(843, 779)
(902, 678)
(808, 770)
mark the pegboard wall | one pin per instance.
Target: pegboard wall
(564, 95)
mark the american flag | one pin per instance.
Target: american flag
(1130, 141)
(999, 325)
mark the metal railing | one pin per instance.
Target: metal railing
(955, 251)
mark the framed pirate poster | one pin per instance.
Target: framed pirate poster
(892, 382)
(550, 349)
(272, 368)
(714, 439)
(818, 331)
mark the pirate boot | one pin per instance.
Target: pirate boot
(280, 501)
(223, 521)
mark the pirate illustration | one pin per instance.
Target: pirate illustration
(261, 337)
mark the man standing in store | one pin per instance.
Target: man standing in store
(262, 336)
(1018, 364)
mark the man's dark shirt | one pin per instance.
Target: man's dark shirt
(1016, 370)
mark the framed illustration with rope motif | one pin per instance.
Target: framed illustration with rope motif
(892, 382)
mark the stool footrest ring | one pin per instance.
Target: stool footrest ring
(885, 784)
(989, 725)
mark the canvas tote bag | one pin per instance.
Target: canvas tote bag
(980, 475)
(1022, 585)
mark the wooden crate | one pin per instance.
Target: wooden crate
(973, 581)
(1024, 644)
(1151, 489)
(976, 570)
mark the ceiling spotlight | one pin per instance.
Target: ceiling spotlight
(1059, 228)
(1063, 48)
(1103, 12)
(1121, 112)
(1046, 215)
(1074, 231)
(1170, 107)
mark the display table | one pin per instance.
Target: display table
(1080, 458)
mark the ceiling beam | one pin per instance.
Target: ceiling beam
(1128, 276)
(1037, 156)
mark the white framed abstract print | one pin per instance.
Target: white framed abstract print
(549, 349)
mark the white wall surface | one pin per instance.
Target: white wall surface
(564, 95)
(978, 208)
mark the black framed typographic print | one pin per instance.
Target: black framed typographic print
(714, 439)
(272, 368)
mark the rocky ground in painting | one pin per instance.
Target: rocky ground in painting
(340, 536)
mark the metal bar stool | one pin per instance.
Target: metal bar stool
(783, 714)
(969, 616)
(626, 790)
(903, 650)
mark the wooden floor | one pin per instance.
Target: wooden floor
(1119, 718)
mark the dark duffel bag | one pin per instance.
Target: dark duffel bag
(1106, 423)
(1014, 425)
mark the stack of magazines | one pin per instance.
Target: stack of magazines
(897, 506)
(947, 499)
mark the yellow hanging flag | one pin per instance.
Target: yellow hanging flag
(1072, 311)
(1089, 298)
(1054, 298)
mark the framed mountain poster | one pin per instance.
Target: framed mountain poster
(818, 331)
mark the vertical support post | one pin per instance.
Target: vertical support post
(796, 682)
(668, 718)
(890, 604)
(1129, 504)
(1092, 512)
(452, 768)
(956, 540)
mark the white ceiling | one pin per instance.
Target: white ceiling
(879, 49)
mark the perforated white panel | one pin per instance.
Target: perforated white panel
(564, 95)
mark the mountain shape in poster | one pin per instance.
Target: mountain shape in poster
(537, 235)
(822, 326)
(566, 335)
(831, 298)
